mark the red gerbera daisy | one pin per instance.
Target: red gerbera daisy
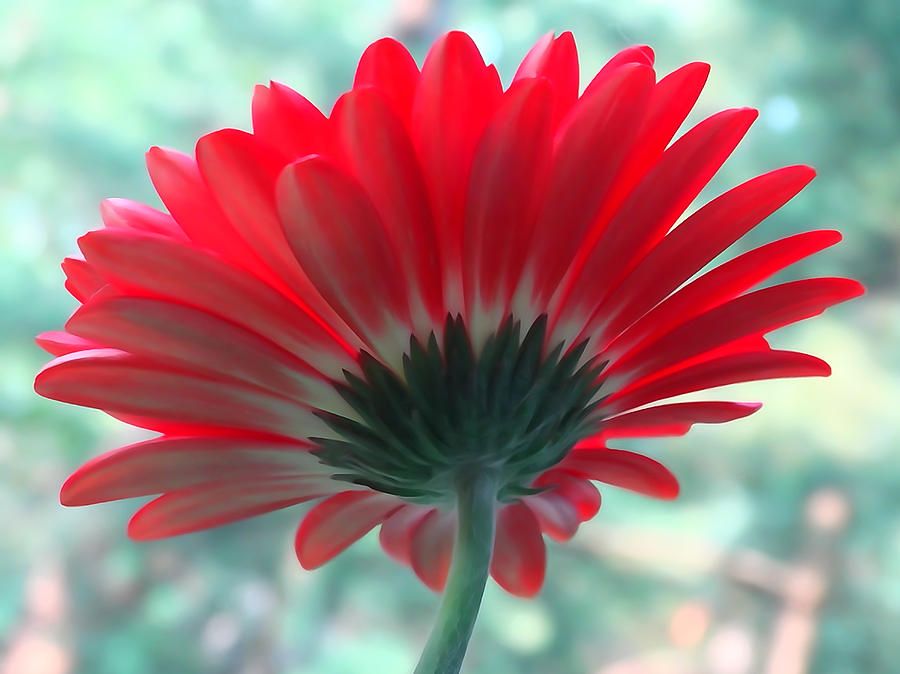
(430, 309)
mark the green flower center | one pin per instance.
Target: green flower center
(512, 409)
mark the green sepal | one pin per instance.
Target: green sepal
(516, 409)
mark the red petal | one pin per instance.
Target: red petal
(653, 207)
(672, 99)
(571, 500)
(149, 265)
(397, 189)
(720, 284)
(386, 65)
(337, 236)
(339, 521)
(431, 548)
(114, 381)
(182, 189)
(189, 510)
(286, 121)
(453, 102)
(126, 213)
(670, 102)
(555, 59)
(589, 148)
(581, 493)
(397, 531)
(673, 419)
(555, 513)
(733, 369)
(520, 558)
(628, 470)
(755, 313)
(695, 242)
(635, 55)
(183, 429)
(60, 343)
(82, 280)
(171, 464)
(242, 173)
(512, 159)
(195, 341)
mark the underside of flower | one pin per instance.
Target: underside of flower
(444, 295)
(511, 410)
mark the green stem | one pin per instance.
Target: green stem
(476, 494)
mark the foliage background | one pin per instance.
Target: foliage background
(707, 584)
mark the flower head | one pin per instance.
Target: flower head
(440, 279)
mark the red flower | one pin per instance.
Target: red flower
(441, 276)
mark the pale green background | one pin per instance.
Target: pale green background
(87, 86)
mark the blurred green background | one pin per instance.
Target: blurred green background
(783, 553)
